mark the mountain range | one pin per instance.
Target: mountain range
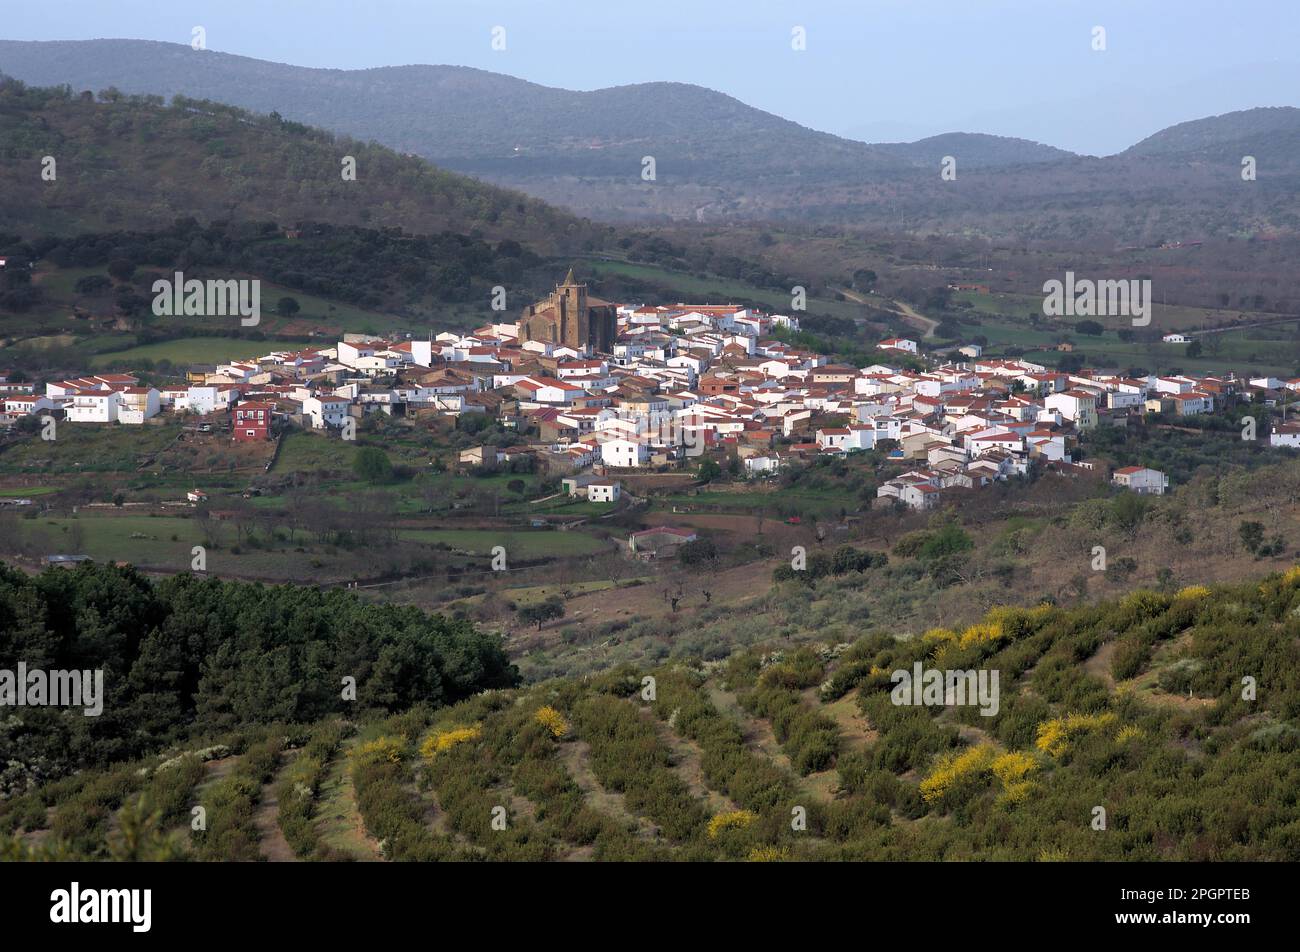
(718, 159)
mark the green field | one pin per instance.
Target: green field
(823, 503)
(143, 540)
(1273, 350)
(719, 290)
(25, 491)
(526, 545)
(195, 350)
(89, 448)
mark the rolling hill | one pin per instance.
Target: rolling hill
(719, 160)
(469, 119)
(1130, 709)
(977, 151)
(1275, 128)
(131, 162)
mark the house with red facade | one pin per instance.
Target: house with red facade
(252, 421)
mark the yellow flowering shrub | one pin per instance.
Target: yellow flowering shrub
(938, 636)
(1193, 592)
(1144, 603)
(381, 748)
(1054, 735)
(1006, 616)
(1013, 767)
(1129, 732)
(768, 854)
(945, 640)
(981, 634)
(437, 743)
(952, 768)
(552, 720)
(1010, 768)
(735, 820)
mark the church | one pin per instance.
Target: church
(570, 318)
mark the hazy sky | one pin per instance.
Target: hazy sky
(873, 69)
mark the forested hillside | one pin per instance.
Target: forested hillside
(131, 162)
(1156, 726)
(189, 656)
(720, 160)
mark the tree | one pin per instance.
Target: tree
(287, 307)
(1091, 328)
(539, 613)
(674, 594)
(92, 284)
(120, 269)
(697, 552)
(709, 470)
(1194, 348)
(1128, 511)
(372, 464)
(1252, 536)
(863, 279)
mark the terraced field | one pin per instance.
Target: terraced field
(778, 753)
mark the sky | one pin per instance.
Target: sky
(877, 70)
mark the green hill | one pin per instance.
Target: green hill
(720, 160)
(134, 163)
(1152, 727)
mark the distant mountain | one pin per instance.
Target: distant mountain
(976, 150)
(717, 159)
(1275, 130)
(470, 119)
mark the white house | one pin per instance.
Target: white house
(548, 390)
(604, 492)
(1077, 406)
(1285, 434)
(1193, 402)
(1141, 480)
(22, 404)
(204, 399)
(326, 411)
(898, 343)
(762, 465)
(93, 406)
(624, 452)
(138, 404)
(1176, 339)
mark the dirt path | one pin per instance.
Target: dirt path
(576, 757)
(271, 844)
(1099, 664)
(339, 821)
(686, 760)
(434, 816)
(927, 324)
(757, 731)
(856, 733)
(648, 600)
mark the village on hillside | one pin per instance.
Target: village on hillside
(609, 388)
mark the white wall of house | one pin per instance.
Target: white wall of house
(325, 412)
(626, 453)
(604, 492)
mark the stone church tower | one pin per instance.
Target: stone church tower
(570, 317)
